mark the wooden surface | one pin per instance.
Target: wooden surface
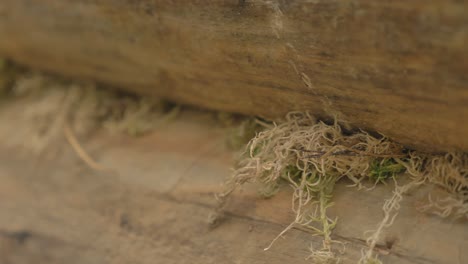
(396, 67)
(154, 208)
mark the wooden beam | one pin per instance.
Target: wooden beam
(396, 67)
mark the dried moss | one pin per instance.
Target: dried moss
(312, 156)
(49, 103)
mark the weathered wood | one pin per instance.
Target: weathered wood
(396, 67)
(154, 208)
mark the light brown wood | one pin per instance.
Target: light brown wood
(155, 207)
(396, 67)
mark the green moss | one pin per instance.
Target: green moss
(383, 169)
(292, 172)
(240, 135)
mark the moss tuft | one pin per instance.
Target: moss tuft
(312, 156)
(382, 170)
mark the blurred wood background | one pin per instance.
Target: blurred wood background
(396, 67)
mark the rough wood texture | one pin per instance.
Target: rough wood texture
(154, 208)
(396, 67)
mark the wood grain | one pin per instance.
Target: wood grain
(396, 67)
(155, 208)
